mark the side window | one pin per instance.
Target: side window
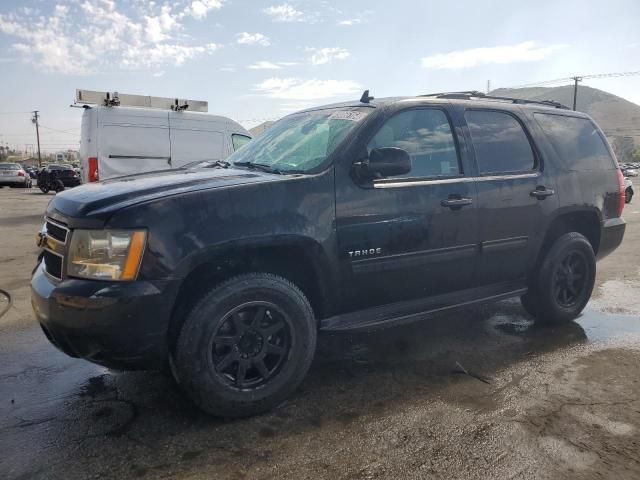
(576, 141)
(499, 142)
(427, 136)
(239, 141)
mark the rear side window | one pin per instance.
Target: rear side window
(576, 141)
(426, 135)
(239, 141)
(500, 143)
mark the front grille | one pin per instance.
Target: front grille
(57, 232)
(52, 264)
(55, 249)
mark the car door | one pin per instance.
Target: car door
(516, 195)
(414, 235)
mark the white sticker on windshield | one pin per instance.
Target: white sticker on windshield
(353, 115)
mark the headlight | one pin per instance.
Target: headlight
(106, 254)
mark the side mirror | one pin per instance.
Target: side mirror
(387, 162)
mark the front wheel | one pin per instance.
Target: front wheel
(44, 188)
(562, 285)
(628, 195)
(246, 345)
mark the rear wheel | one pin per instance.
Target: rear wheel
(58, 186)
(628, 195)
(44, 188)
(562, 285)
(246, 345)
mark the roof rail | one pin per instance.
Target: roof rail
(471, 94)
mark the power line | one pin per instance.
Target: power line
(13, 113)
(68, 132)
(571, 79)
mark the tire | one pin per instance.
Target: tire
(44, 188)
(58, 186)
(628, 195)
(562, 285)
(246, 345)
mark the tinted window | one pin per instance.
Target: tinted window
(576, 141)
(426, 135)
(9, 166)
(499, 142)
(239, 141)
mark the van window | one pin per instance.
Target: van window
(500, 143)
(425, 134)
(239, 141)
(576, 141)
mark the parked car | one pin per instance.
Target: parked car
(117, 141)
(32, 171)
(357, 215)
(57, 178)
(13, 175)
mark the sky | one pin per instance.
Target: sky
(258, 60)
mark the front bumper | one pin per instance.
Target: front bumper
(611, 236)
(115, 324)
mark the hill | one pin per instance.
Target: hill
(618, 118)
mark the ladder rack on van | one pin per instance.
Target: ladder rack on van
(109, 99)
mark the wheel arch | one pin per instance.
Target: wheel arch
(300, 260)
(586, 221)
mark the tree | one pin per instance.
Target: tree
(624, 148)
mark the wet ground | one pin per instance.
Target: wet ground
(480, 393)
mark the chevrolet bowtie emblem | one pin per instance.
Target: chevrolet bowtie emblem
(40, 239)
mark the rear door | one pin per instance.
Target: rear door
(132, 141)
(414, 235)
(516, 194)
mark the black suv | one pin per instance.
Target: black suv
(350, 216)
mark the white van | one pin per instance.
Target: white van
(117, 140)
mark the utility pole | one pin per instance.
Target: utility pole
(35, 120)
(488, 86)
(575, 90)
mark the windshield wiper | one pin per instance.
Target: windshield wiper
(259, 166)
(220, 163)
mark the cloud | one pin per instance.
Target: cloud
(246, 38)
(264, 66)
(199, 9)
(459, 59)
(326, 55)
(284, 13)
(299, 89)
(159, 74)
(142, 38)
(349, 22)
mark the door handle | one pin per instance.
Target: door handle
(542, 192)
(456, 203)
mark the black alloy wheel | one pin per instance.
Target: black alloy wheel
(246, 345)
(251, 344)
(570, 279)
(561, 285)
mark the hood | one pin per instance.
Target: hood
(96, 199)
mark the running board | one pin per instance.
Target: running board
(410, 311)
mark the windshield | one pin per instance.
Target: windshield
(302, 141)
